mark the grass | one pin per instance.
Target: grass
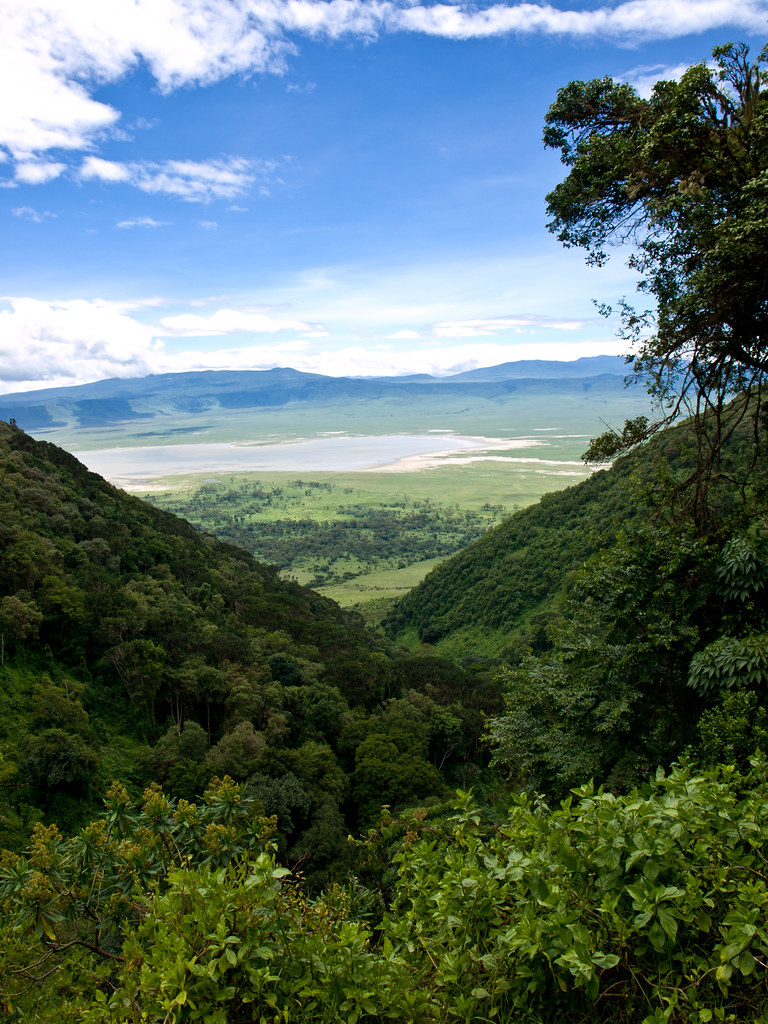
(469, 486)
(386, 584)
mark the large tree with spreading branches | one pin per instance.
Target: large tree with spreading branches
(681, 179)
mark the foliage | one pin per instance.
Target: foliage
(136, 648)
(682, 178)
(640, 909)
(72, 897)
(732, 730)
(656, 626)
(500, 595)
(648, 907)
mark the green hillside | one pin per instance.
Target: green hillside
(135, 648)
(499, 595)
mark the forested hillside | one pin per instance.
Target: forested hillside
(499, 596)
(134, 648)
(503, 589)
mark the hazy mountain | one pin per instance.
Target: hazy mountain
(114, 401)
(547, 369)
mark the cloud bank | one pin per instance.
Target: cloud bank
(55, 344)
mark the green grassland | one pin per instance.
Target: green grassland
(367, 537)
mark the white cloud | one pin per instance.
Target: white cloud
(103, 170)
(489, 327)
(190, 180)
(378, 360)
(484, 326)
(142, 222)
(44, 344)
(233, 321)
(38, 172)
(644, 78)
(49, 344)
(29, 213)
(632, 20)
(364, 361)
(208, 225)
(53, 53)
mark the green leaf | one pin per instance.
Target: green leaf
(657, 937)
(746, 963)
(605, 960)
(723, 973)
(667, 922)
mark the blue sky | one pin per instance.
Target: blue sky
(353, 186)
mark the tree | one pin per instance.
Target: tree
(682, 177)
(611, 699)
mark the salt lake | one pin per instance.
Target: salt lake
(137, 467)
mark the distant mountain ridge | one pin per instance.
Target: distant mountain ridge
(587, 366)
(122, 400)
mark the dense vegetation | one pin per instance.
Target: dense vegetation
(646, 908)
(135, 648)
(176, 904)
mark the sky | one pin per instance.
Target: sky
(348, 187)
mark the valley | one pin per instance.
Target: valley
(458, 453)
(431, 698)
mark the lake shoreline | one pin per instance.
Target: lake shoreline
(136, 468)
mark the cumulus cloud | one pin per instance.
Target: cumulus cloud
(193, 181)
(53, 54)
(104, 170)
(38, 172)
(44, 344)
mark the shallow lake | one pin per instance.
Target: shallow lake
(131, 467)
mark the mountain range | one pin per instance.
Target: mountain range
(217, 393)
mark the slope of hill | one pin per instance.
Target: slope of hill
(133, 647)
(548, 369)
(504, 589)
(498, 595)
